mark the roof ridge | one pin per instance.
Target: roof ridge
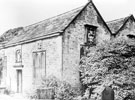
(53, 22)
(117, 19)
(55, 16)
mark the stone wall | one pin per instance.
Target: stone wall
(62, 52)
(53, 48)
(11, 80)
(74, 36)
(129, 28)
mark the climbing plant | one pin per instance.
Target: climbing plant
(110, 63)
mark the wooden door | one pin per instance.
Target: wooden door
(19, 81)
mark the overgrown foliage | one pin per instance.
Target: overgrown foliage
(110, 63)
(60, 90)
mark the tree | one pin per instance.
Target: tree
(110, 63)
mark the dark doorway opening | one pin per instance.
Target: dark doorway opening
(19, 81)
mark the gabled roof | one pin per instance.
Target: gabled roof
(115, 25)
(118, 24)
(101, 18)
(8, 35)
(49, 27)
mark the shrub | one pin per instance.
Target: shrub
(8, 91)
(110, 63)
(63, 90)
(50, 81)
(66, 92)
(53, 88)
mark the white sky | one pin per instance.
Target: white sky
(16, 13)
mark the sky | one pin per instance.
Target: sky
(20, 13)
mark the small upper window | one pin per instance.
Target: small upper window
(91, 33)
(18, 56)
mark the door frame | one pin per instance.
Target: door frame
(19, 80)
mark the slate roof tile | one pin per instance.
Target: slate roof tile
(51, 26)
(115, 25)
(46, 27)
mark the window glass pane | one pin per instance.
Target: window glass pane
(39, 65)
(43, 64)
(34, 64)
(37, 60)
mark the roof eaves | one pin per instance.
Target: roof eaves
(32, 40)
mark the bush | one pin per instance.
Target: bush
(32, 93)
(8, 91)
(50, 81)
(53, 88)
(63, 90)
(66, 92)
(110, 63)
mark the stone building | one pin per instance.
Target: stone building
(123, 27)
(52, 46)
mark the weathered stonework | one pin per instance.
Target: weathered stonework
(74, 36)
(53, 48)
(129, 28)
(61, 38)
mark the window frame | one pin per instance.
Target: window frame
(91, 28)
(40, 67)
